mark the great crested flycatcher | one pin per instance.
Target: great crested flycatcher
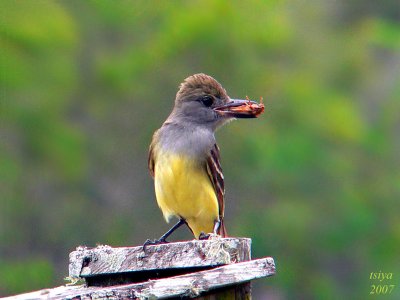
(184, 156)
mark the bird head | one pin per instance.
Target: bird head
(203, 101)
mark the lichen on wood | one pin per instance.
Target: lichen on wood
(216, 251)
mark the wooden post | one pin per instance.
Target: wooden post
(218, 268)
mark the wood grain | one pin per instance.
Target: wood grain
(188, 285)
(216, 251)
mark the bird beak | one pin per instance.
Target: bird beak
(237, 108)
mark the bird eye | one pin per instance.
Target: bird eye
(207, 100)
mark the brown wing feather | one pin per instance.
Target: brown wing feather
(214, 171)
(150, 160)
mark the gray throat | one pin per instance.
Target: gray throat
(184, 138)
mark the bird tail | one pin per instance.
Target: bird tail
(222, 230)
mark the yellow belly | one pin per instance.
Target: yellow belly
(183, 189)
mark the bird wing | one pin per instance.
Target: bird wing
(151, 160)
(214, 172)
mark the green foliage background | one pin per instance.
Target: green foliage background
(315, 182)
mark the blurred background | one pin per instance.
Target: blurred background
(315, 181)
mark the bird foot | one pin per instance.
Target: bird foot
(149, 242)
(204, 236)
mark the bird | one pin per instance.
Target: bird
(184, 158)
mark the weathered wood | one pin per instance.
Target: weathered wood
(188, 285)
(218, 268)
(164, 259)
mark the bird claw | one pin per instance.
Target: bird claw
(204, 236)
(149, 242)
